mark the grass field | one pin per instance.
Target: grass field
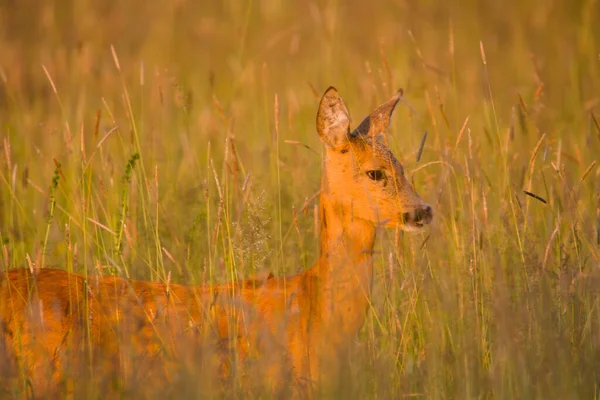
(147, 138)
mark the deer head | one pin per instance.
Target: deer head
(362, 177)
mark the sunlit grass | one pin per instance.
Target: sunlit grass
(165, 157)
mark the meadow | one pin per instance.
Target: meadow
(175, 141)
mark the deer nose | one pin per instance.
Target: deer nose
(424, 215)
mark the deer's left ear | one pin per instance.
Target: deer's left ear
(376, 124)
(333, 119)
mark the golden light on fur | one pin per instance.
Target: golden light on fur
(296, 325)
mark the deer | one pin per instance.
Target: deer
(298, 326)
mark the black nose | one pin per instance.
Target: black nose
(423, 215)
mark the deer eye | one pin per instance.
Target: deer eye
(376, 175)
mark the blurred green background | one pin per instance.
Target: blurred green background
(498, 300)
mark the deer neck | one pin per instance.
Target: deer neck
(345, 266)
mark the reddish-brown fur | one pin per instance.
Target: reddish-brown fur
(295, 327)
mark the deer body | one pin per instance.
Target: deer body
(296, 325)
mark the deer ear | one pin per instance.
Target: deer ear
(333, 119)
(377, 123)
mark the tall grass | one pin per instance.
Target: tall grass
(150, 140)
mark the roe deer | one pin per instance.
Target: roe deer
(298, 325)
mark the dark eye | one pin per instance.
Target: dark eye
(376, 174)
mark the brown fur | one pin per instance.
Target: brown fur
(294, 327)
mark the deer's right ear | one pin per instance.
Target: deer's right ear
(333, 119)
